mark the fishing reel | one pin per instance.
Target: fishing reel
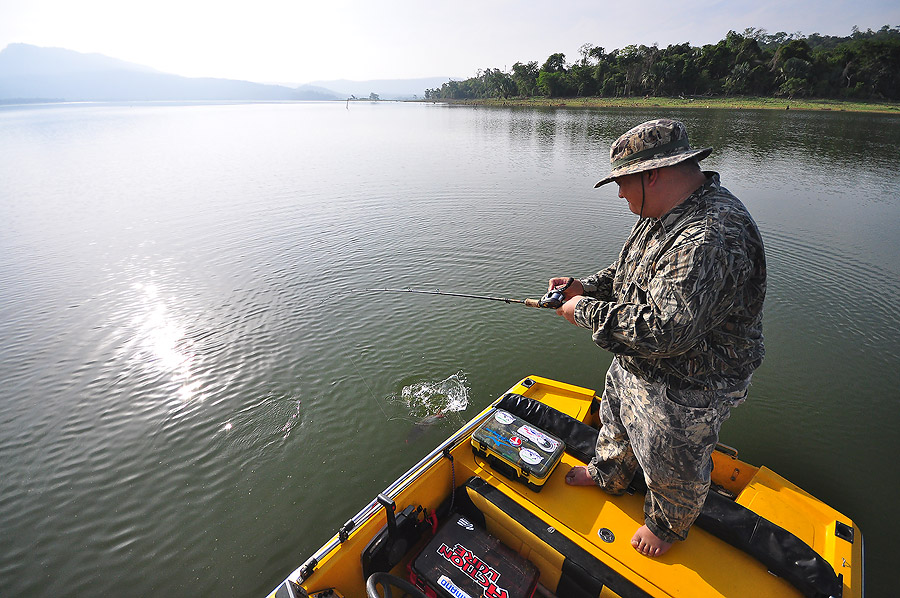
(556, 296)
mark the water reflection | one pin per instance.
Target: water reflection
(159, 336)
(161, 344)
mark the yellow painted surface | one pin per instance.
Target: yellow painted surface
(702, 566)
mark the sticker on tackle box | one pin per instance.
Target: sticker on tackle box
(531, 457)
(505, 418)
(517, 449)
(543, 441)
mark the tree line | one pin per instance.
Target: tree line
(863, 65)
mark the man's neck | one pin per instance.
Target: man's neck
(681, 187)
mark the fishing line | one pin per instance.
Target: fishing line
(346, 347)
(372, 394)
(552, 300)
(375, 398)
(369, 388)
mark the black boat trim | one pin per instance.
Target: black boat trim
(785, 555)
(583, 575)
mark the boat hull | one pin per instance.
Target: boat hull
(591, 529)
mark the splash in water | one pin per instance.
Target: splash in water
(429, 402)
(429, 398)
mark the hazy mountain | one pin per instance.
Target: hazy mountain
(26, 60)
(325, 93)
(387, 89)
(31, 72)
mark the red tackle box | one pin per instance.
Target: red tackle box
(464, 560)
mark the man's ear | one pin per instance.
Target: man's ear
(652, 176)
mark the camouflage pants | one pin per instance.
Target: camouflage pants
(670, 434)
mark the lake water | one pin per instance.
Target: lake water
(193, 399)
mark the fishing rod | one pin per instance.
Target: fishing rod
(552, 300)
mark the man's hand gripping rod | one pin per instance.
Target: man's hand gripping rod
(555, 297)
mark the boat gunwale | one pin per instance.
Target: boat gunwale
(362, 520)
(393, 490)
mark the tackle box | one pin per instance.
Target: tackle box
(516, 449)
(464, 560)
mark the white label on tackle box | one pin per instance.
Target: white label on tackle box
(446, 583)
(544, 442)
(531, 457)
(504, 418)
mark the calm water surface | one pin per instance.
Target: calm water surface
(191, 401)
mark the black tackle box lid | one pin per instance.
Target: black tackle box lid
(464, 560)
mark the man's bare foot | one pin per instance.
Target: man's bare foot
(648, 544)
(579, 476)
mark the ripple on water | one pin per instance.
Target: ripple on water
(254, 428)
(811, 282)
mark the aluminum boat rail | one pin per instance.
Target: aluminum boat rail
(392, 491)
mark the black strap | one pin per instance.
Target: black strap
(583, 574)
(785, 554)
(650, 152)
(782, 552)
(580, 439)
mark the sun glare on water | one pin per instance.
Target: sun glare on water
(160, 343)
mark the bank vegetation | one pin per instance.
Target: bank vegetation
(743, 69)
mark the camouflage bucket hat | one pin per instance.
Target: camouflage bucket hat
(653, 144)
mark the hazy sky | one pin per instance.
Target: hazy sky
(296, 41)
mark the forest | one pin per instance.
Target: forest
(862, 66)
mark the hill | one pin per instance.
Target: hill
(30, 72)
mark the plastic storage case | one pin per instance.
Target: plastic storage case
(517, 449)
(464, 560)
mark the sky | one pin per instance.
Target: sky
(298, 41)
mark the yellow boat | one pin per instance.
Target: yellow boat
(759, 535)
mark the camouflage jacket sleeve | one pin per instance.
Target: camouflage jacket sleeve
(683, 300)
(600, 285)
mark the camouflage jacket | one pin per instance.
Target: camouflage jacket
(683, 302)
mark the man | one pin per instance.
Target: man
(681, 309)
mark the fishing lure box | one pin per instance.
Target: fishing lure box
(516, 449)
(464, 560)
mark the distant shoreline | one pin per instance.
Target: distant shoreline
(729, 103)
(736, 103)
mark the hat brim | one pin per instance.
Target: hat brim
(645, 165)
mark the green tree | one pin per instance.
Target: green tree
(864, 64)
(630, 62)
(715, 63)
(555, 63)
(792, 65)
(525, 77)
(581, 78)
(553, 80)
(555, 84)
(879, 67)
(498, 84)
(672, 70)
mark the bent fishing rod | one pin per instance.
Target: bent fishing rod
(552, 300)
